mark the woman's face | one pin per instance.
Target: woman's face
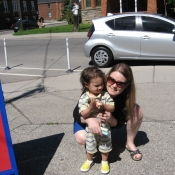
(112, 88)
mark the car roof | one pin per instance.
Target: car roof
(111, 16)
(98, 22)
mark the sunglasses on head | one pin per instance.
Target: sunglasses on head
(119, 84)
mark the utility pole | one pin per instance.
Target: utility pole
(20, 16)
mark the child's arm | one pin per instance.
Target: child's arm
(109, 108)
(86, 112)
(106, 107)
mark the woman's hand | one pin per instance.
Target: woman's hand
(94, 125)
(107, 117)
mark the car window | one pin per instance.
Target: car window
(151, 24)
(111, 24)
(124, 23)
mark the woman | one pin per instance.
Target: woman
(120, 85)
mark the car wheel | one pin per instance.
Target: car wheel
(102, 57)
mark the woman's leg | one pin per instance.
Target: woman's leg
(80, 137)
(132, 129)
(79, 133)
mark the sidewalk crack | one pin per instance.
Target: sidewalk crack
(20, 112)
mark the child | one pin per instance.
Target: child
(92, 102)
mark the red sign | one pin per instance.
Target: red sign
(7, 159)
(4, 158)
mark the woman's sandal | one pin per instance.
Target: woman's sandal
(133, 153)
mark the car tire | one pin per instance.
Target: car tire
(102, 57)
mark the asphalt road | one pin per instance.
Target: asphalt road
(33, 58)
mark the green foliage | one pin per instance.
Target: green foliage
(68, 5)
(170, 1)
(70, 17)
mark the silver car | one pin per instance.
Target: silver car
(136, 36)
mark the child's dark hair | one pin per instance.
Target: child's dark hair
(89, 73)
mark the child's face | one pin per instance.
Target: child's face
(95, 86)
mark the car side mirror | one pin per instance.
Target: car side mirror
(173, 31)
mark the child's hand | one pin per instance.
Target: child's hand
(99, 104)
(92, 102)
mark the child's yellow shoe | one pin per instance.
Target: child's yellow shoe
(86, 166)
(105, 167)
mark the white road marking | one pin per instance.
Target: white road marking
(29, 75)
(39, 69)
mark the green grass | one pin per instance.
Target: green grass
(57, 29)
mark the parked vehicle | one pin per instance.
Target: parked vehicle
(27, 24)
(139, 36)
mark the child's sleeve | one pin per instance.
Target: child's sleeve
(109, 99)
(83, 103)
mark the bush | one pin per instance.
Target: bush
(70, 17)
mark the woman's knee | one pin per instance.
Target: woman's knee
(138, 112)
(80, 137)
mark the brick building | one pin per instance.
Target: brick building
(50, 9)
(95, 8)
(9, 11)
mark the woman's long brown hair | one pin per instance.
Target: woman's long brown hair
(130, 90)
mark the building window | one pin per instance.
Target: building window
(88, 3)
(48, 5)
(15, 5)
(49, 15)
(5, 5)
(34, 18)
(32, 5)
(26, 17)
(24, 5)
(98, 2)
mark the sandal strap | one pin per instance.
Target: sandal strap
(135, 152)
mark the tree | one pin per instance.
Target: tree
(67, 11)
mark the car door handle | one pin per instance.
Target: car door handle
(146, 37)
(110, 34)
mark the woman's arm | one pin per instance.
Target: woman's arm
(94, 125)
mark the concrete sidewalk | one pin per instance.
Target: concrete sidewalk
(41, 123)
(40, 119)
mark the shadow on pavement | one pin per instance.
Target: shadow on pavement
(39, 89)
(145, 62)
(141, 63)
(118, 143)
(33, 157)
